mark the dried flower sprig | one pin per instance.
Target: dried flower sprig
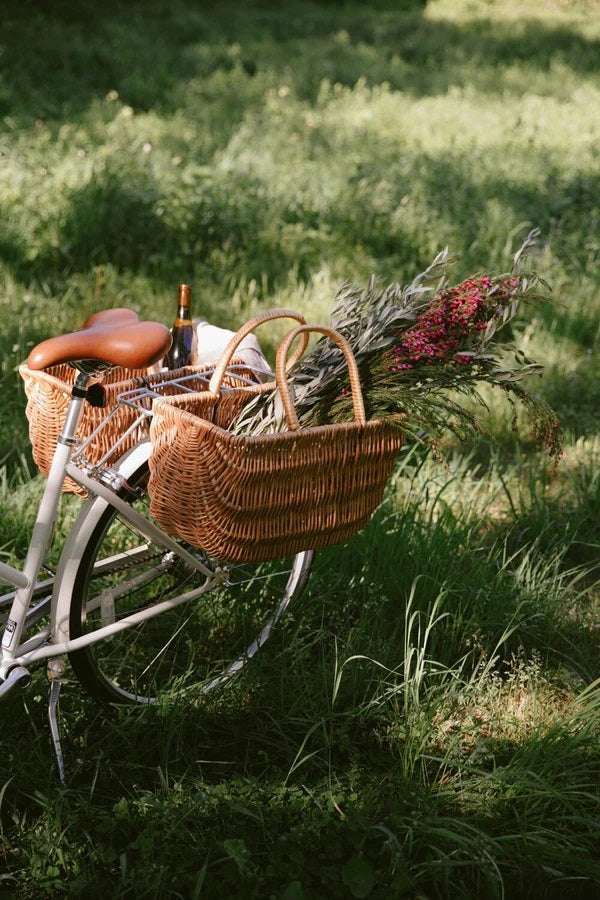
(419, 348)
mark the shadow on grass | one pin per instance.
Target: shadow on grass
(58, 59)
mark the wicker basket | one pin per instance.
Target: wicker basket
(48, 395)
(264, 496)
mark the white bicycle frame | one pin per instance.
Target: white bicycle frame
(53, 642)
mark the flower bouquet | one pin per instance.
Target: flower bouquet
(420, 348)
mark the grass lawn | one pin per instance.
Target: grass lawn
(426, 721)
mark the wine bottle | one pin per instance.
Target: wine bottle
(182, 331)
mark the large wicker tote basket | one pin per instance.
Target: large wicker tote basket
(258, 497)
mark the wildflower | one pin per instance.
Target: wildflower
(449, 329)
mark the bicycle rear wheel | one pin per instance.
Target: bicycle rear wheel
(199, 644)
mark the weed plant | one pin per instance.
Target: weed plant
(426, 721)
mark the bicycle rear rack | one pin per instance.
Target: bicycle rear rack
(140, 399)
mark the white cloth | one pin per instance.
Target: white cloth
(211, 341)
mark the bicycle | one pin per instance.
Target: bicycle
(134, 610)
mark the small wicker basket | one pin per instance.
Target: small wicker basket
(264, 496)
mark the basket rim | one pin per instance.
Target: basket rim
(199, 423)
(44, 376)
(51, 380)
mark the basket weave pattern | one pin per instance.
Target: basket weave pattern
(264, 496)
(48, 394)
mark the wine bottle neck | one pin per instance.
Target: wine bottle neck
(184, 312)
(184, 302)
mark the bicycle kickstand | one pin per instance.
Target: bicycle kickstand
(55, 671)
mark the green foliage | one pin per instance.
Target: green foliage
(426, 722)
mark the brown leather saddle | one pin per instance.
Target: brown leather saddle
(112, 337)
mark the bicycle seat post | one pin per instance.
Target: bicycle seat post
(78, 393)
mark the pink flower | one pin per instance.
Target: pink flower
(452, 323)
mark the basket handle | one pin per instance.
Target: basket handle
(281, 372)
(216, 381)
